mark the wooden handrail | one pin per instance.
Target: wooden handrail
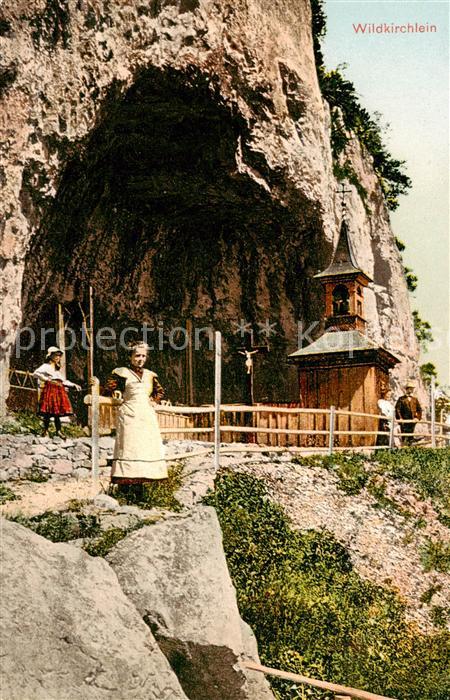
(296, 678)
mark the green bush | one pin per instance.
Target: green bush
(157, 494)
(311, 612)
(28, 422)
(436, 555)
(60, 527)
(100, 546)
(6, 494)
(36, 475)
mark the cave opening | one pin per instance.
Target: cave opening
(156, 212)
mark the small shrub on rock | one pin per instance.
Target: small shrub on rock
(157, 494)
(6, 494)
(36, 475)
(60, 527)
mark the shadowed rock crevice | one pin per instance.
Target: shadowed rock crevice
(201, 670)
(163, 211)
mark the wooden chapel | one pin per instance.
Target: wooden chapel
(343, 367)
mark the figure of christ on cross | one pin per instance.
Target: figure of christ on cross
(249, 353)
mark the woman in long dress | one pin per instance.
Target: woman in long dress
(138, 450)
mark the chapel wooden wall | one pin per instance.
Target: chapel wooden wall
(356, 388)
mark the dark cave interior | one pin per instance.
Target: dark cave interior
(154, 213)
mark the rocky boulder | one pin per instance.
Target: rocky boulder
(175, 573)
(68, 630)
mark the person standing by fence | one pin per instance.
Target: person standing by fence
(138, 451)
(54, 401)
(386, 409)
(408, 409)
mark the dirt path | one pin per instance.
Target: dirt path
(51, 495)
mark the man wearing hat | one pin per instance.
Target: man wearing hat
(54, 402)
(409, 409)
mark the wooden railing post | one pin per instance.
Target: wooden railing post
(217, 396)
(332, 426)
(391, 432)
(95, 411)
(433, 411)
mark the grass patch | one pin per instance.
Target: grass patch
(348, 467)
(29, 423)
(6, 494)
(311, 613)
(100, 546)
(435, 555)
(60, 527)
(157, 494)
(37, 475)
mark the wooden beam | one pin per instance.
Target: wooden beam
(296, 678)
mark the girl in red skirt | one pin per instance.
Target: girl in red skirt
(54, 402)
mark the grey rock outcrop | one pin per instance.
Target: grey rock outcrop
(176, 574)
(68, 630)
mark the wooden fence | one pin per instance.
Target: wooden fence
(23, 391)
(276, 426)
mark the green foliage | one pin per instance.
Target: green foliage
(348, 467)
(157, 494)
(309, 610)
(60, 527)
(436, 555)
(429, 593)
(411, 279)
(422, 330)
(100, 546)
(400, 245)
(347, 115)
(427, 371)
(36, 474)
(440, 615)
(28, 422)
(425, 468)
(6, 494)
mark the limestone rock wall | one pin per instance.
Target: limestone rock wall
(224, 213)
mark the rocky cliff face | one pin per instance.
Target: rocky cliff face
(176, 156)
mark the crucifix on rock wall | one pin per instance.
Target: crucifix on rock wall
(250, 352)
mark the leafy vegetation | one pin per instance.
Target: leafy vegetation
(36, 475)
(100, 546)
(157, 494)
(348, 115)
(310, 611)
(436, 555)
(28, 422)
(6, 494)
(422, 330)
(60, 527)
